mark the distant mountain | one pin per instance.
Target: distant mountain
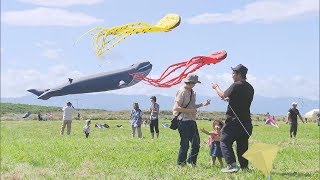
(115, 102)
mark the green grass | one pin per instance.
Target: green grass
(23, 108)
(35, 150)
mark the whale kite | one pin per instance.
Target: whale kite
(106, 81)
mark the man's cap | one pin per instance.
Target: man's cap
(192, 78)
(241, 69)
(153, 97)
(294, 104)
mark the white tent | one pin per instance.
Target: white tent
(312, 114)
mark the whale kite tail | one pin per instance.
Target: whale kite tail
(37, 91)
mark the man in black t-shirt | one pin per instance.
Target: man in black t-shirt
(292, 117)
(240, 95)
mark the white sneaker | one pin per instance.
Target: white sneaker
(230, 168)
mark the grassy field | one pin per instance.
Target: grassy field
(35, 150)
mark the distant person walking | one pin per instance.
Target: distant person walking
(239, 95)
(185, 103)
(136, 120)
(67, 118)
(292, 119)
(154, 113)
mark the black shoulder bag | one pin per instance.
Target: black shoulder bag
(175, 121)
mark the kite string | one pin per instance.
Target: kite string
(239, 120)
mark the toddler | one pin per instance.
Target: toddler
(86, 128)
(214, 141)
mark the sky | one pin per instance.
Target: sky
(277, 40)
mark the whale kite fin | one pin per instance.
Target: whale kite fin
(37, 92)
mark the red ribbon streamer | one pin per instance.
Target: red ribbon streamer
(189, 67)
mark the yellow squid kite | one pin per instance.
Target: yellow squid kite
(106, 38)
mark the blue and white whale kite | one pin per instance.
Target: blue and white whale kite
(107, 81)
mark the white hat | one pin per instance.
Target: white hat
(294, 104)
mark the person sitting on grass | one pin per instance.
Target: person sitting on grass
(214, 142)
(270, 120)
(101, 126)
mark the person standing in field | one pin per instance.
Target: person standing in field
(238, 125)
(154, 121)
(136, 120)
(67, 118)
(185, 104)
(292, 118)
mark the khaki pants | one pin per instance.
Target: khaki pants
(64, 124)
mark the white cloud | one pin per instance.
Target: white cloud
(61, 3)
(271, 86)
(278, 86)
(47, 17)
(261, 11)
(45, 43)
(49, 51)
(14, 83)
(52, 53)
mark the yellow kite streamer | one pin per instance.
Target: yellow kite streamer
(106, 38)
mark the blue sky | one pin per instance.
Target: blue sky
(278, 40)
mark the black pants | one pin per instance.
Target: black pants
(154, 125)
(87, 135)
(233, 131)
(293, 129)
(188, 131)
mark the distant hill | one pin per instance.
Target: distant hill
(116, 102)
